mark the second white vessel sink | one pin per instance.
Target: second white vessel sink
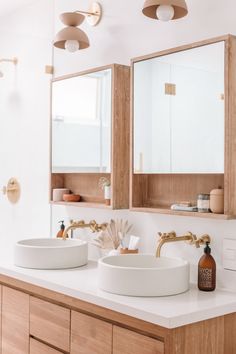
(49, 253)
(143, 275)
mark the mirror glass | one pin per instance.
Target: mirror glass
(81, 123)
(179, 112)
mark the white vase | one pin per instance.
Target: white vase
(107, 194)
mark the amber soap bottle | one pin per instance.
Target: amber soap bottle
(207, 271)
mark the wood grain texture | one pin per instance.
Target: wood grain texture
(163, 190)
(50, 323)
(128, 342)
(15, 321)
(230, 126)
(90, 335)
(120, 136)
(37, 347)
(205, 337)
(229, 334)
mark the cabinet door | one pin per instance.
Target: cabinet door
(40, 348)
(50, 323)
(15, 321)
(128, 342)
(90, 335)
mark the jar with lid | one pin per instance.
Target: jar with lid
(217, 201)
(203, 203)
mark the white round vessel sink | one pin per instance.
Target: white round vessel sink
(143, 275)
(49, 253)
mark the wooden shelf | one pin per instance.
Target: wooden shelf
(83, 205)
(184, 213)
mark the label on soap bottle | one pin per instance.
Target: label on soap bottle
(205, 277)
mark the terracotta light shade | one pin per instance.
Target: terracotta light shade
(150, 8)
(71, 37)
(71, 32)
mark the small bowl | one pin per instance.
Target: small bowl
(73, 198)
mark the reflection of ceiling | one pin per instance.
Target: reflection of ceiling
(12, 5)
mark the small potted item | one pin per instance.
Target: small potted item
(217, 201)
(105, 184)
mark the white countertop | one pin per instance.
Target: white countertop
(169, 312)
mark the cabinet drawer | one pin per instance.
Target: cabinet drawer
(129, 342)
(15, 321)
(90, 335)
(50, 323)
(40, 348)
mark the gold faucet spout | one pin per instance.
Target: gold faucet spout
(189, 237)
(92, 225)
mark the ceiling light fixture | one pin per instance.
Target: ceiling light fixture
(71, 37)
(165, 10)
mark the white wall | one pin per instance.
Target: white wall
(24, 120)
(125, 33)
(24, 110)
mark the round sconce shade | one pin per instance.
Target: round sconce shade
(150, 8)
(72, 19)
(71, 33)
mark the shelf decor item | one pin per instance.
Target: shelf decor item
(105, 184)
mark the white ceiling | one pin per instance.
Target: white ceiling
(7, 6)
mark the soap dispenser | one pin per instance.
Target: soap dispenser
(62, 229)
(207, 271)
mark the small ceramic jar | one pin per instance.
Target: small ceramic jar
(217, 201)
(57, 194)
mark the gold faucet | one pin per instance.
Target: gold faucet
(172, 237)
(92, 225)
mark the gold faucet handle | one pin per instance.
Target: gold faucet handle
(167, 235)
(103, 226)
(203, 240)
(192, 238)
(95, 227)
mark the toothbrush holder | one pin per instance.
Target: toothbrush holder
(127, 251)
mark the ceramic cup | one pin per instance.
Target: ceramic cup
(57, 194)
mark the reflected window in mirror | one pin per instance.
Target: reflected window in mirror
(178, 112)
(81, 123)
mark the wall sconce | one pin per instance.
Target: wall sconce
(5, 60)
(165, 10)
(71, 37)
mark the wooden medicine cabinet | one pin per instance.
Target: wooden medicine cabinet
(90, 135)
(184, 127)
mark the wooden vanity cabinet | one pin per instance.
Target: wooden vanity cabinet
(156, 185)
(86, 184)
(41, 321)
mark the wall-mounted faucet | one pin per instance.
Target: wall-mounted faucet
(92, 225)
(189, 237)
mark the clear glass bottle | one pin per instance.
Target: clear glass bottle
(207, 271)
